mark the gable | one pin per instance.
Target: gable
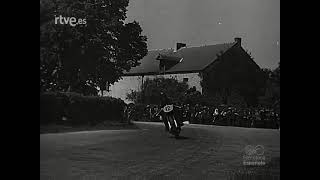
(236, 56)
(235, 68)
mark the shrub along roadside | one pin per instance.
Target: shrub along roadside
(79, 109)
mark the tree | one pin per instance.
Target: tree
(175, 90)
(151, 88)
(275, 76)
(135, 96)
(94, 54)
(272, 87)
(267, 73)
(45, 6)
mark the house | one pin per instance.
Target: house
(192, 65)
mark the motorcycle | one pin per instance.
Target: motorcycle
(168, 116)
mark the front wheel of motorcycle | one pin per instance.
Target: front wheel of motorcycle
(173, 130)
(177, 132)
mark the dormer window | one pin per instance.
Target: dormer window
(167, 61)
(185, 79)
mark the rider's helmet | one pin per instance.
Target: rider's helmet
(164, 100)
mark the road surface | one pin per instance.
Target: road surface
(203, 152)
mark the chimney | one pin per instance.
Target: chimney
(238, 40)
(180, 45)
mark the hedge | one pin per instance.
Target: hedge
(79, 109)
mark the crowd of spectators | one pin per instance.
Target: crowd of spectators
(223, 115)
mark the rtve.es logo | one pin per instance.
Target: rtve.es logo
(72, 21)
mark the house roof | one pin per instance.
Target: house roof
(149, 63)
(192, 59)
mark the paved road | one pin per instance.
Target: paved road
(203, 152)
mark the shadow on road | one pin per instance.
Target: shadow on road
(181, 137)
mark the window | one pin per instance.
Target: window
(185, 79)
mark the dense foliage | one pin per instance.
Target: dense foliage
(76, 109)
(151, 88)
(88, 57)
(271, 96)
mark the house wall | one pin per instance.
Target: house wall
(127, 84)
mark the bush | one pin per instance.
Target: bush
(79, 110)
(139, 112)
(51, 108)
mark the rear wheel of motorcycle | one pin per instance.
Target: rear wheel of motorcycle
(173, 128)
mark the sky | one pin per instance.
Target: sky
(206, 22)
